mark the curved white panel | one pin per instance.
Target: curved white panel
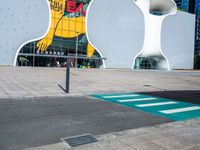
(177, 40)
(155, 11)
(116, 29)
(21, 21)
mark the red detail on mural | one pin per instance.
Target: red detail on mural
(71, 7)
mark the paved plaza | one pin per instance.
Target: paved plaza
(170, 136)
(35, 113)
(42, 82)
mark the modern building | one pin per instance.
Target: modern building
(197, 36)
(183, 5)
(92, 33)
(193, 6)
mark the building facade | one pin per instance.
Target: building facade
(52, 32)
(197, 36)
(147, 35)
(66, 38)
(193, 6)
(183, 5)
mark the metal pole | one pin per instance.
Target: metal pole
(67, 77)
(76, 66)
(34, 53)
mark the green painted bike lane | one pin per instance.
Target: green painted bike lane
(167, 108)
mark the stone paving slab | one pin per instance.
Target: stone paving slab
(59, 146)
(25, 82)
(196, 147)
(177, 136)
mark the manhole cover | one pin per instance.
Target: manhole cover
(80, 140)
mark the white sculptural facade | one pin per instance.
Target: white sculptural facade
(158, 16)
(123, 32)
(155, 11)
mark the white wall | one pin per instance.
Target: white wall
(177, 40)
(20, 21)
(116, 29)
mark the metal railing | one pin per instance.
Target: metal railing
(65, 58)
(58, 56)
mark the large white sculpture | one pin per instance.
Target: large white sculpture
(155, 11)
(122, 31)
(129, 30)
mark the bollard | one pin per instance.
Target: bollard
(67, 77)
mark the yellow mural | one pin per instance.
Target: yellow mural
(62, 26)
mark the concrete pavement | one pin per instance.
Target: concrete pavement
(41, 121)
(25, 82)
(24, 85)
(171, 136)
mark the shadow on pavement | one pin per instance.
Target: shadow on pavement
(191, 96)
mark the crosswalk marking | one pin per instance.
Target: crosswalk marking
(167, 108)
(118, 96)
(172, 111)
(136, 100)
(156, 104)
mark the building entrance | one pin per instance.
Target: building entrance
(153, 62)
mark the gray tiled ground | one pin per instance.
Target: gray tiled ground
(39, 82)
(178, 136)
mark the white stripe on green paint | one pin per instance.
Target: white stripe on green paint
(156, 104)
(179, 110)
(136, 100)
(121, 96)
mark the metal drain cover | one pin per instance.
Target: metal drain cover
(80, 140)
